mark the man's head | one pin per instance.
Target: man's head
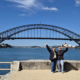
(53, 49)
(59, 48)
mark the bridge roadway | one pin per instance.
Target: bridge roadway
(38, 38)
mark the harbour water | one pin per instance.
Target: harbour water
(19, 54)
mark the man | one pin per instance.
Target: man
(60, 59)
(53, 58)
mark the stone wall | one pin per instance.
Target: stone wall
(46, 64)
(15, 67)
(39, 64)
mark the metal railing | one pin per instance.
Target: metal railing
(6, 63)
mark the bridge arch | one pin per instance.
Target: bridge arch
(9, 33)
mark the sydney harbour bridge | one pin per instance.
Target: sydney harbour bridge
(39, 31)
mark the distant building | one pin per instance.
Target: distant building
(64, 44)
(69, 46)
(73, 46)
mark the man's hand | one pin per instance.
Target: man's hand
(67, 46)
(45, 44)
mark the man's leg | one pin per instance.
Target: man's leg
(52, 67)
(62, 65)
(58, 63)
(55, 60)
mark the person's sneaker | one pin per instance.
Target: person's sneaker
(58, 70)
(62, 71)
(52, 72)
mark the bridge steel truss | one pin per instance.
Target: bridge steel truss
(9, 33)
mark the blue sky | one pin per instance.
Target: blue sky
(63, 13)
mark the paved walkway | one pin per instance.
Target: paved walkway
(45, 75)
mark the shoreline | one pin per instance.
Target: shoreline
(36, 47)
(40, 47)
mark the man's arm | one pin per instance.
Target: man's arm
(66, 49)
(48, 48)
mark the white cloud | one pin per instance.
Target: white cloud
(47, 8)
(77, 2)
(30, 5)
(27, 14)
(27, 4)
(22, 14)
(74, 12)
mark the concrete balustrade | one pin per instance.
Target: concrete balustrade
(39, 65)
(46, 64)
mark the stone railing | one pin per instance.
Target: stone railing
(46, 64)
(43, 64)
(39, 64)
